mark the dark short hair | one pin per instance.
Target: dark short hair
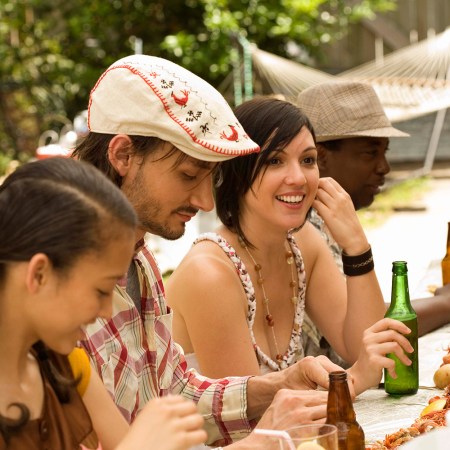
(271, 123)
(94, 150)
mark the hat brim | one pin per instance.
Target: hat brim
(386, 132)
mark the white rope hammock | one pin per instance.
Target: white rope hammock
(410, 82)
(285, 77)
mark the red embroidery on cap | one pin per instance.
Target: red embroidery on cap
(182, 101)
(232, 137)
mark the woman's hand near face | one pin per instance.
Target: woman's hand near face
(385, 336)
(335, 206)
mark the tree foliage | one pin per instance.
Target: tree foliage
(52, 51)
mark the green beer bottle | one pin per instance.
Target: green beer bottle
(407, 381)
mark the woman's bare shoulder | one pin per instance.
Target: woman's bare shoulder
(205, 255)
(205, 268)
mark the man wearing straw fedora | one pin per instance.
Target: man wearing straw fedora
(352, 134)
(158, 131)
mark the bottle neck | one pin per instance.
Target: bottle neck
(339, 404)
(448, 240)
(400, 294)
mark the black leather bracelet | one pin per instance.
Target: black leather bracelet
(359, 264)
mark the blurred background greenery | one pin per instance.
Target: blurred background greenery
(52, 51)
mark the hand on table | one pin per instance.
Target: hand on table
(308, 373)
(385, 336)
(297, 399)
(288, 409)
(305, 376)
(166, 423)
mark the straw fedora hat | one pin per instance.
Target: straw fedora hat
(345, 109)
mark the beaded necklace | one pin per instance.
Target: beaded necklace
(293, 284)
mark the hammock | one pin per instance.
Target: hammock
(410, 82)
(283, 76)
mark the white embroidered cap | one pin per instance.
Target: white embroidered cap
(148, 96)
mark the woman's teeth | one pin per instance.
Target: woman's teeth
(291, 198)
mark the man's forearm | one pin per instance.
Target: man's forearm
(260, 393)
(432, 312)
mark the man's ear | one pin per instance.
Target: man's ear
(38, 272)
(322, 158)
(120, 153)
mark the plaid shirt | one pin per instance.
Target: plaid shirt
(138, 360)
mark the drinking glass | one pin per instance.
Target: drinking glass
(314, 436)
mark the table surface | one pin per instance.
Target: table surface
(380, 414)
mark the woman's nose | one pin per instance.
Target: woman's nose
(295, 175)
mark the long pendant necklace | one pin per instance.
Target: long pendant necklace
(293, 284)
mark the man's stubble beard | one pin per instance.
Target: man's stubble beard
(162, 231)
(148, 210)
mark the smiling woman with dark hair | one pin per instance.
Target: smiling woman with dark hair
(240, 294)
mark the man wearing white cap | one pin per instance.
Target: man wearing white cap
(158, 131)
(352, 136)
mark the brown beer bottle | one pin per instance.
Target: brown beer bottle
(445, 264)
(340, 413)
